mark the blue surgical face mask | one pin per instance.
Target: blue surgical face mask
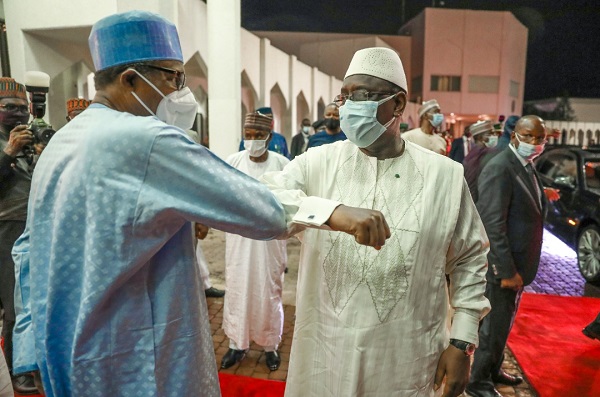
(437, 119)
(492, 141)
(359, 121)
(527, 150)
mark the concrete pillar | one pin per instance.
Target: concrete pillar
(224, 76)
(293, 102)
(264, 95)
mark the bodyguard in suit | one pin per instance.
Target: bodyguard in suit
(512, 206)
(461, 146)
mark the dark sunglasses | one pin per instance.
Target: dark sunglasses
(179, 76)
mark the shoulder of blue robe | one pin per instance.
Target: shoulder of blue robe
(24, 359)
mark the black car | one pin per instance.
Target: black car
(575, 217)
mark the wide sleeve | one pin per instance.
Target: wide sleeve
(192, 182)
(494, 187)
(466, 266)
(290, 187)
(24, 359)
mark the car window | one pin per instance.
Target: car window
(592, 175)
(559, 165)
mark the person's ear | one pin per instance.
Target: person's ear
(400, 100)
(127, 78)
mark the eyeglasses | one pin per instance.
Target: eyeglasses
(13, 108)
(179, 76)
(360, 95)
(539, 140)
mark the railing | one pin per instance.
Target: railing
(575, 133)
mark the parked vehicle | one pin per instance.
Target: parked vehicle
(575, 217)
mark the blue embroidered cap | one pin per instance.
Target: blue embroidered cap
(133, 36)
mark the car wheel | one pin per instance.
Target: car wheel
(588, 253)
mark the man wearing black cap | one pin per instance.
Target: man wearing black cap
(15, 183)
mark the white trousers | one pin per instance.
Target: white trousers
(203, 266)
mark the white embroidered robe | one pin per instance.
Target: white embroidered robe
(368, 322)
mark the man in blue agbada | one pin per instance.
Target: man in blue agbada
(110, 302)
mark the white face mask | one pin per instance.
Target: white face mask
(256, 147)
(179, 108)
(437, 119)
(529, 151)
(492, 141)
(359, 121)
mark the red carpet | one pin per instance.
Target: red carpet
(546, 339)
(244, 386)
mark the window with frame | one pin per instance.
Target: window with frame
(513, 90)
(445, 83)
(484, 84)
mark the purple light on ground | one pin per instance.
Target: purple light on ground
(552, 246)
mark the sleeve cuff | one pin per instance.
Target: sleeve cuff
(315, 211)
(465, 327)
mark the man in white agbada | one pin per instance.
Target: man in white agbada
(108, 296)
(253, 309)
(425, 135)
(372, 322)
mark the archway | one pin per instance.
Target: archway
(249, 96)
(280, 113)
(302, 111)
(70, 83)
(320, 108)
(196, 77)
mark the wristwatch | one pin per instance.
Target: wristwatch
(466, 347)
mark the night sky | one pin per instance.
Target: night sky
(563, 55)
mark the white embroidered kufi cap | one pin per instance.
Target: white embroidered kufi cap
(480, 127)
(380, 62)
(427, 106)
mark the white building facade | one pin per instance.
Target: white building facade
(247, 71)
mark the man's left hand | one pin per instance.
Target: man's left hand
(552, 194)
(454, 365)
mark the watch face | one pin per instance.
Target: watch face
(470, 349)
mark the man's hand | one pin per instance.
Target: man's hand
(367, 226)
(201, 231)
(454, 365)
(516, 282)
(552, 194)
(19, 137)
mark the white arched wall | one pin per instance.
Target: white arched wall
(302, 111)
(249, 98)
(280, 112)
(70, 83)
(49, 40)
(320, 108)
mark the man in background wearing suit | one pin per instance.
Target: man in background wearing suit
(512, 205)
(461, 146)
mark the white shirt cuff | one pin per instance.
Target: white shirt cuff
(315, 211)
(465, 327)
